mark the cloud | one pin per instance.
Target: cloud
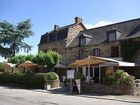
(98, 24)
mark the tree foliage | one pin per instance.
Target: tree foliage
(40, 58)
(53, 58)
(12, 37)
(18, 59)
(50, 59)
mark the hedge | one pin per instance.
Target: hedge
(32, 80)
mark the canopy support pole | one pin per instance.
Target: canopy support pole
(77, 69)
(88, 66)
(99, 73)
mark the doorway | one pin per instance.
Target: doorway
(96, 75)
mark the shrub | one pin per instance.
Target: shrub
(119, 73)
(119, 77)
(32, 80)
(78, 75)
(51, 76)
(110, 80)
(2, 69)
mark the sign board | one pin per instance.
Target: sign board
(70, 74)
(78, 84)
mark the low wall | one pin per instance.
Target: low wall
(54, 83)
(136, 88)
(113, 89)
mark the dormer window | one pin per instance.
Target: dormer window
(113, 35)
(84, 39)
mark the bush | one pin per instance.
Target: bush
(51, 76)
(78, 75)
(32, 80)
(2, 69)
(119, 77)
(110, 80)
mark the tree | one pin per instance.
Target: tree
(12, 37)
(41, 59)
(50, 59)
(53, 58)
(17, 59)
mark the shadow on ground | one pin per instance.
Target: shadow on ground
(94, 96)
(67, 93)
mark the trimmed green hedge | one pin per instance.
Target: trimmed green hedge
(32, 80)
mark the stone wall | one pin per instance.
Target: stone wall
(136, 87)
(72, 54)
(113, 89)
(54, 83)
(60, 46)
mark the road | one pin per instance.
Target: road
(17, 96)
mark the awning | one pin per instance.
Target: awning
(93, 60)
(28, 65)
(83, 62)
(115, 62)
(9, 65)
(61, 66)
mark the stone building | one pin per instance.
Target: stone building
(75, 42)
(60, 37)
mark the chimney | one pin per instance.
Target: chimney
(78, 20)
(56, 27)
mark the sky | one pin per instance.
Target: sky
(44, 14)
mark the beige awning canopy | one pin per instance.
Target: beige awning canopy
(9, 65)
(93, 60)
(28, 65)
(89, 60)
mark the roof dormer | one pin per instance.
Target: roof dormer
(84, 39)
(113, 35)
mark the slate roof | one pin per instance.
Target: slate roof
(130, 28)
(57, 35)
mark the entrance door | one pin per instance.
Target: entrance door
(96, 74)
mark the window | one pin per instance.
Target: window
(115, 51)
(111, 36)
(96, 52)
(82, 41)
(81, 54)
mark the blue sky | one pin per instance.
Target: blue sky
(45, 13)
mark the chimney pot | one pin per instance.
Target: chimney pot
(56, 27)
(78, 20)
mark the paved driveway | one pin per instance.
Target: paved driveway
(16, 96)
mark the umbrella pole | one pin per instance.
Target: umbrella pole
(89, 66)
